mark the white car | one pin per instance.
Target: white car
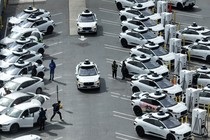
(27, 13)
(28, 137)
(16, 98)
(131, 13)
(162, 125)
(152, 82)
(87, 22)
(23, 84)
(154, 50)
(24, 115)
(144, 64)
(18, 32)
(26, 56)
(141, 21)
(151, 102)
(198, 51)
(182, 3)
(121, 4)
(87, 75)
(139, 36)
(44, 24)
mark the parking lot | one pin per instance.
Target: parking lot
(105, 114)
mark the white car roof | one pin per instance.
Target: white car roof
(23, 79)
(23, 30)
(25, 105)
(28, 137)
(87, 63)
(15, 95)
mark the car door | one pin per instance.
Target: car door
(144, 85)
(134, 68)
(27, 87)
(203, 79)
(132, 13)
(132, 38)
(25, 119)
(147, 105)
(128, 3)
(41, 25)
(199, 51)
(34, 112)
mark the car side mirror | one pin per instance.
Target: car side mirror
(161, 127)
(23, 117)
(21, 87)
(99, 72)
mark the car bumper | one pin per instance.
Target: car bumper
(89, 85)
(5, 128)
(87, 30)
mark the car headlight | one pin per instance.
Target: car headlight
(5, 124)
(94, 27)
(98, 81)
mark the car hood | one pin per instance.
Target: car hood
(178, 108)
(156, 16)
(14, 20)
(160, 70)
(168, 57)
(147, 4)
(2, 109)
(157, 40)
(5, 77)
(6, 41)
(4, 119)
(4, 64)
(182, 129)
(174, 89)
(88, 78)
(86, 24)
(157, 28)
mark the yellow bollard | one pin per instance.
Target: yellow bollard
(192, 137)
(174, 16)
(5, 4)
(186, 119)
(208, 109)
(183, 41)
(188, 54)
(169, 66)
(153, 10)
(182, 120)
(1, 23)
(164, 46)
(160, 33)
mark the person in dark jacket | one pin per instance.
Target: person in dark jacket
(34, 71)
(42, 119)
(114, 69)
(56, 109)
(52, 67)
(124, 70)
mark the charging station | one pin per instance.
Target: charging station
(186, 79)
(162, 6)
(192, 98)
(180, 63)
(175, 45)
(199, 122)
(166, 18)
(170, 32)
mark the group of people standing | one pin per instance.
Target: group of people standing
(123, 70)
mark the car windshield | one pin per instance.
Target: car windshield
(13, 45)
(11, 85)
(11, 58)
(206, 33)
(167, 101)
(14, 35)
(171, 122)
(12, 70)
(13, 112)
(149, 23)
(86, 18)
(87, 71)
(151, 64)
(164, 83)
(5, 102)
(22, 15)
(205, 94)
(147, 12)
(159, 51)
(26, 24)
(149, 35)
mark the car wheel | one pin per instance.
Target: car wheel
(40, 75)
(170, 137)
(41, 50)
(14, 128)
(39, 90)
(140, 131)
(119, 6)
(124, 42)
(50, 30)
(39, 62)
(179, 6)
(124, 28)
(137, 110)
(135, 89)
(122, 18)
(208, 58)
(133, 55)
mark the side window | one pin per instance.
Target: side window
(158, 123)
(25, 57)
(156, 103)
(148, 101)
(37, 13)
(144, 82)
(23, 71)
(131, 34)
(25, 113)
(204, 76)
(40, 22)
(151, 83)
(24, 85)
(16, 102)
(132, 63)
(150, 121)
(27, 34)
(33, 110)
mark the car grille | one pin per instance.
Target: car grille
(178, 94)
(187, 134)
(89, 84)
(86, 28)
(184, 112)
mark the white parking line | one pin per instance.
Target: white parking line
(60, 64)
(56, 53)
(58, 138)
(111, 34)
(60, 32)
(58, 77)
(115, 93)
(57, 23)
(110, 22)
(56, 14)
(189, 15)
(55, 91)
(109, 11)
(117, 133)
(109, 60)
(115, 96)
(124, 114)
(116, 48)
(123, 117)
(56, 43)
(121, 138)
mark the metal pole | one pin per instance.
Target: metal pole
(33, 3)
(57, 92)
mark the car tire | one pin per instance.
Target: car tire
(133, 55)
(179, 6)
(39, 62)
(140, 131)
(50, 30)
(39, 90)
(124, 28)
(124, 43)
(170, 137)
(41, 50)
(122, 18)
(14, 128)
(208, 58)
(119, 6)
(40, 75)
(135, 89)
(137, 110)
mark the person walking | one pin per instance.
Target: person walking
(52, 67)
(56, 109)
(42, 119)
(34, 71)
(114, 69)
(124, 70)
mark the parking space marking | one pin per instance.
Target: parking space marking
(121, 134)
(58, 138)
(128, 115)
(109, 60)
(123, 117)
(124, 97)
(56, 53)
(60, 32)
(55, 91)
(111, 34)
(57, 23)
(121, 138)
(56, 43)
(115, 96)
(56, 14)
(108, 1)
(115, 93)
(189, 15)
(116, 48)
(60, 64)
(109, 11)
(110, 22)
